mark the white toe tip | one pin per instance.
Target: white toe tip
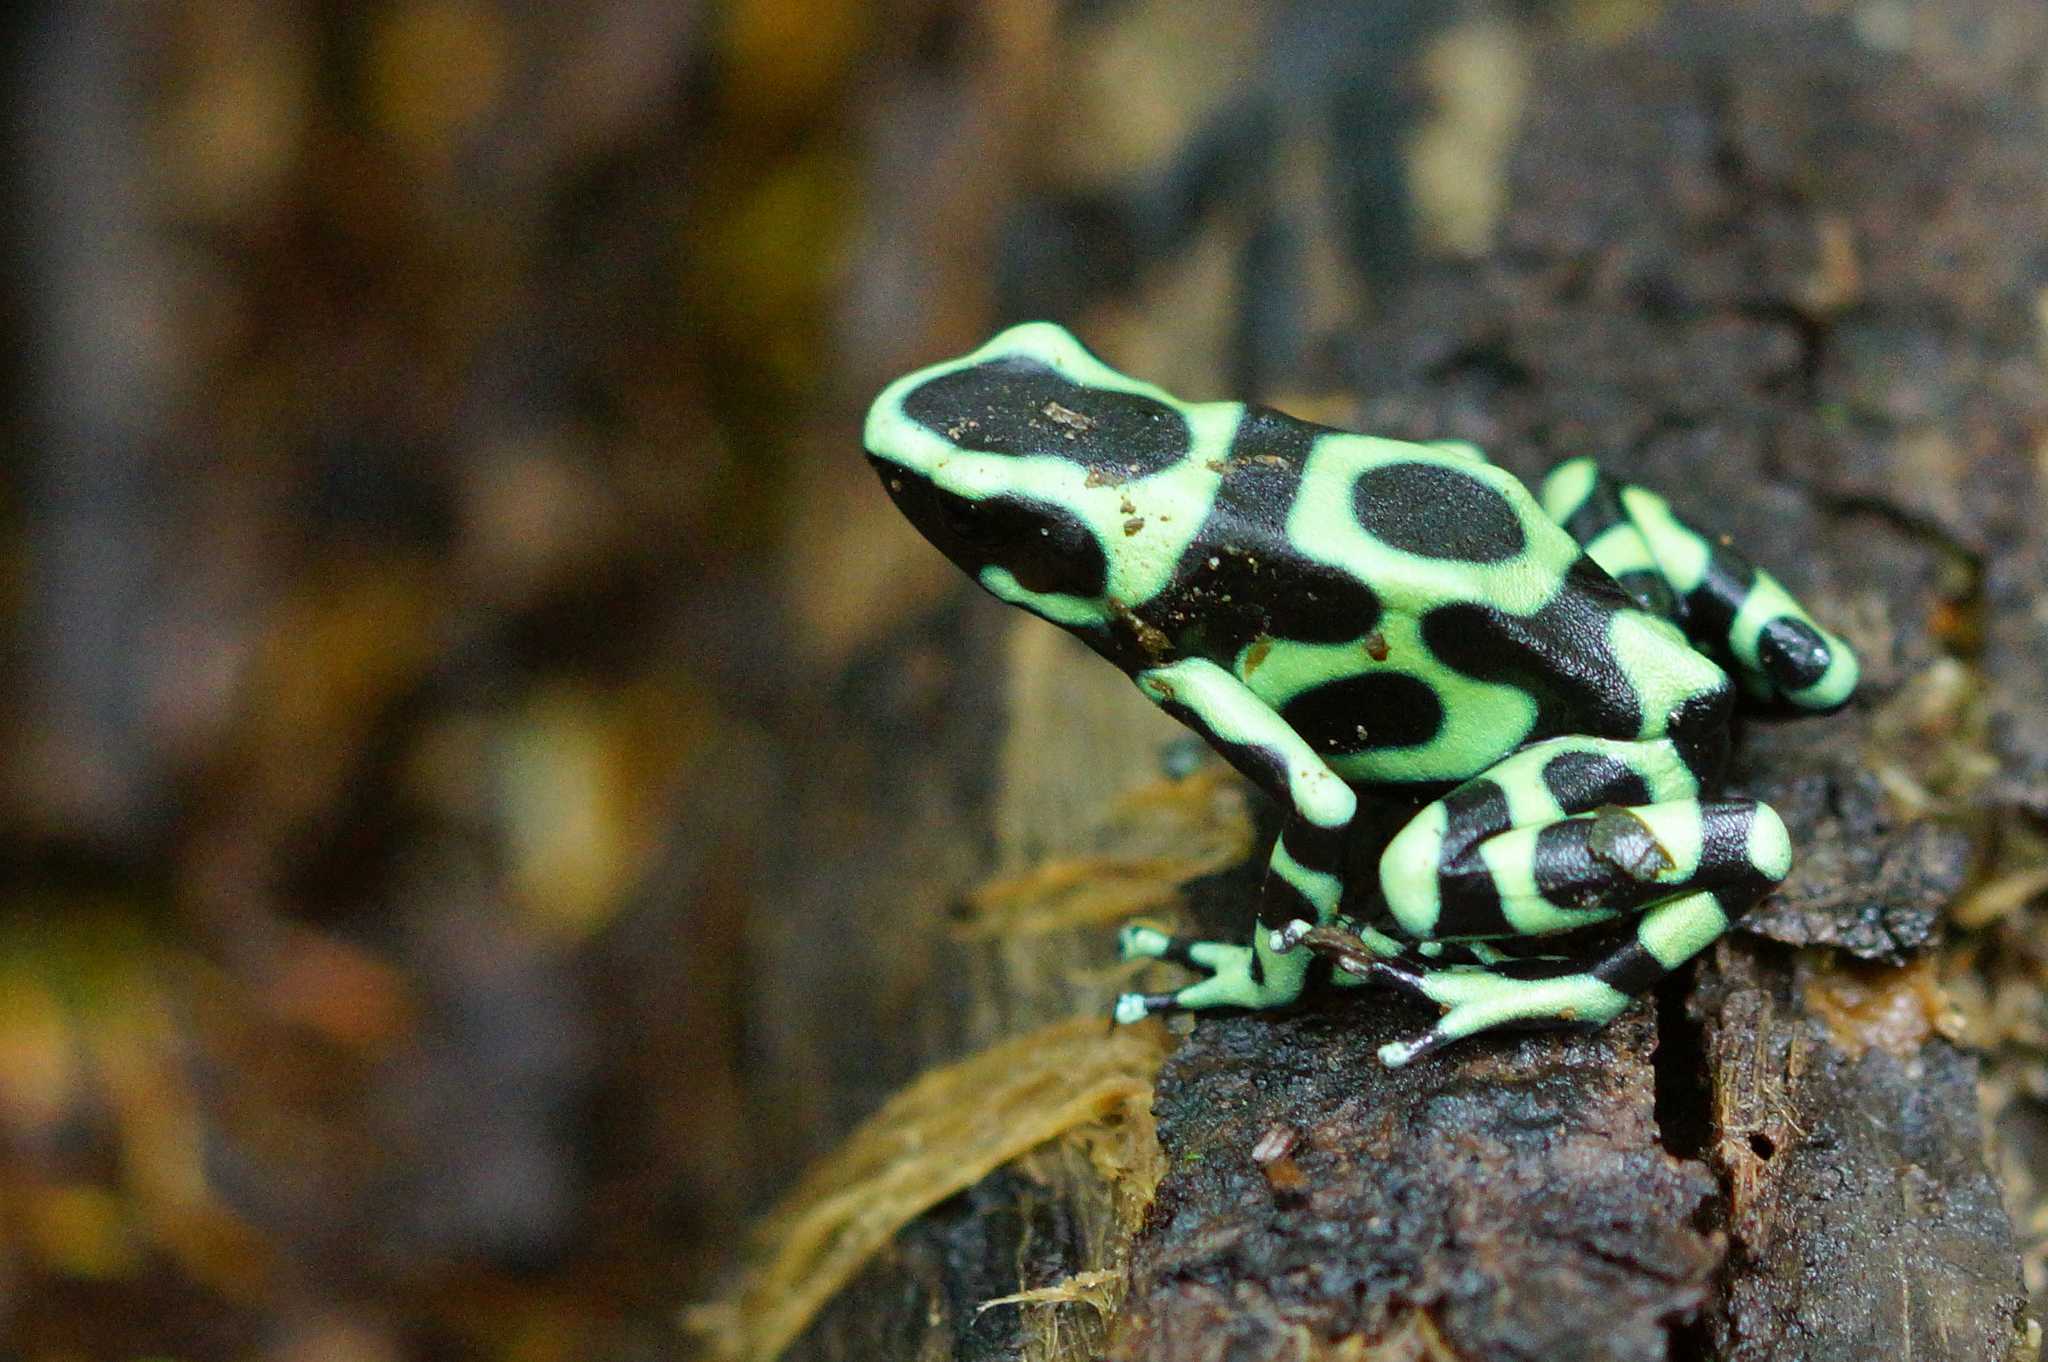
(1130, 1007)
(1141, 941)
(1288, 937)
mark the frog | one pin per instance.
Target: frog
(1548, 679)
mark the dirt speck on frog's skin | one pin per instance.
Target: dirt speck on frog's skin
(1068, 417)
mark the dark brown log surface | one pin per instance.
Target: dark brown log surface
(1783, 269)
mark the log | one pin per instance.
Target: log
(1778, 264)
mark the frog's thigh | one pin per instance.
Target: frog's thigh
(1590, 867)
(1441, 879)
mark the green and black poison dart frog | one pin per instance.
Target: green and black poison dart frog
(1339, 614)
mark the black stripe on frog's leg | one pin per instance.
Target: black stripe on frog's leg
(1475, 1000)
(1630, 968)
(1580, 496)
(1316, 847)
(1020, 405)
(1282, 901)
(1436, 877)
(1304, 846)
(1537, 966)
(1468, 898)
(1742, 850)
(1698, 728)
(1614, 861)
(1652, 590)
(1743, 617)
(1711, 606)
(1636, 965)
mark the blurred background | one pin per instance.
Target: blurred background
(406, 404)
(431, 505)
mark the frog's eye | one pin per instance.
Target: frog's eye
(973, 523)
(1049, 550)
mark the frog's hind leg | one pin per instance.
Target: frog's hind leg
(1564, 835)
(1731, 608)
(1579, 495)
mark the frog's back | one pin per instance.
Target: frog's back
(1407, 609)
(1243, 577)
(1427, 523)
(1410, 609)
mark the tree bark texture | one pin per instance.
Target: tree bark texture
(1779, 262)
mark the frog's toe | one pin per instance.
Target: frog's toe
(1287, 938)
(1477, 1000)
(1396, 1053)
(1143, 943)
(1451, 1027)
(1135, 1007)
(1149, 943)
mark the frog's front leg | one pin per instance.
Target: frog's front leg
(1564, 835)
(1304, 877)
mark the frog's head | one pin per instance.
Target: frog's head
(1012, 461)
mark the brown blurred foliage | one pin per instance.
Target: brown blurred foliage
(406, 405)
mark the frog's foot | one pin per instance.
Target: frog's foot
(1477, 999)
(1556, 992)
(1543, 991)
(1135, 942)
(1238, 976)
